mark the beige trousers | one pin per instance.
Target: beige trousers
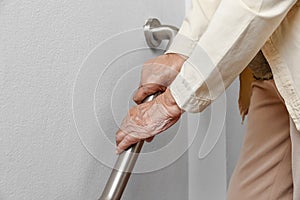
(269, 164)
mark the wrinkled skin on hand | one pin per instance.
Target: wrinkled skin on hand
(146, 120)
(158, 74)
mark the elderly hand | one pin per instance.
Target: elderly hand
(158, 74)
(147, 119)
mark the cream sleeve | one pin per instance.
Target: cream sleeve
(193, 26)
(226, 44)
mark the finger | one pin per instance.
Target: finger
(127, 141)
(147, 90)
(150, 139)
(144, 91)
(119, 136)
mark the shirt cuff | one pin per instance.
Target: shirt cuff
(182, 45)
(184, 99)
(189, 88)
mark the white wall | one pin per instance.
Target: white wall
(207, 172)
(235, 130)
(43, 44)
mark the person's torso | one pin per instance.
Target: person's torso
(282, 51)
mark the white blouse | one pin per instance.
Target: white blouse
(221, 37)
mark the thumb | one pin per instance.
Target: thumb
(147, 90)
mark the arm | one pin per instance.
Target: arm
(193, 26)
(237, 31)
(158, 73)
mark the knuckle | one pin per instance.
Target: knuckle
(129, 139)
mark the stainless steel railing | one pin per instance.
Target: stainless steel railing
(115, 186)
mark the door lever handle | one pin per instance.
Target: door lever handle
(155, 33)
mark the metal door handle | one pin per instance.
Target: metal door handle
(155, 33)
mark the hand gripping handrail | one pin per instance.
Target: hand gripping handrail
(114, 188)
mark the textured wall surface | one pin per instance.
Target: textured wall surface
(235, 130)
(42, 47)
(43, 44)
(207, 173)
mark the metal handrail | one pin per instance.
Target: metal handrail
(115, 186)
